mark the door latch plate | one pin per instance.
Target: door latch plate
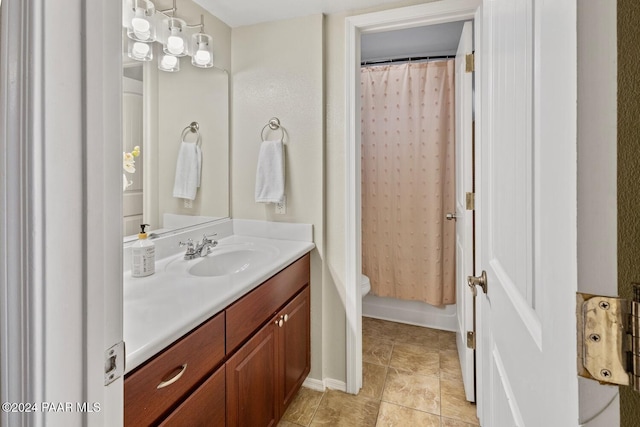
(471, 340)
(114, 359)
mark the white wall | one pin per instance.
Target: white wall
(201, 95)
(278, 72)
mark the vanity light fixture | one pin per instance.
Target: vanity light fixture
(140, 23)
(202, 50)
(169, 63)
(140, 51)
(174, 37)
(146, 25)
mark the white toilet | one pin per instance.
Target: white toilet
(366, 285)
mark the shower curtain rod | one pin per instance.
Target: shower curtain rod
(407, 59)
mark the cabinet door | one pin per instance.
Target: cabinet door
(251, 381)
(295, 346)
(205, 407)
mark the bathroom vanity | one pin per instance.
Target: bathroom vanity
(247, 354)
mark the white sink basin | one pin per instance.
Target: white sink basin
(226, 260)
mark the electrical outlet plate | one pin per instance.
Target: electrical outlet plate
(281, 208)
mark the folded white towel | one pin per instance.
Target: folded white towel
(270, 172)
(188, 169)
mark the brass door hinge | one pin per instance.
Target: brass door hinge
(609, 339)
(471, 201)
(470, 63)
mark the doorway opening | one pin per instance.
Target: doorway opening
(357, 27)
(408, 173)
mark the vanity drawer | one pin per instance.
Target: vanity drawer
(206, 407)
(251, 311)
(195, 355)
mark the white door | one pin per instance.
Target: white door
(527, 215)
(464, 218)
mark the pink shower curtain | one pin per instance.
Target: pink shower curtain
(408, 180)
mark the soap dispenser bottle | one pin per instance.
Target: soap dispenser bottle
(144, 255)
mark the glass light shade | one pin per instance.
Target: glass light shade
(168, 63)
(174, 41)
(202, 50)
(140, 27)
(140, 51)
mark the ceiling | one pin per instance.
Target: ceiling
(236, 13)
(431, 40)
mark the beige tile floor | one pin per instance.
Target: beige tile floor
(411, 377)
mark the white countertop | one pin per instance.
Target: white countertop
(161, 308)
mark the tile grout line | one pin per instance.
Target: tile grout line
(384, 383)
(315, 411)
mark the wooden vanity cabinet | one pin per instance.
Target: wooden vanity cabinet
(155, 388)
(251, 381)
(240, 368)
(265, 373)
(295, 347)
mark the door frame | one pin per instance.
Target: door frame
(394, 19)
(61, 189)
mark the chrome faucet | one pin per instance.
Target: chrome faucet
(201, 249)
(204, 248)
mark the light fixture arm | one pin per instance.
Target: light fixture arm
(173, 10)
(200, 25)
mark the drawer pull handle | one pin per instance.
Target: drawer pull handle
(286, 317)
(173, 379)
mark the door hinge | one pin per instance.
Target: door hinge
(114, 363)
(470, 62)
(471, 201)
(471, 340)
(609, 338)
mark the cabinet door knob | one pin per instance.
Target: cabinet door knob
(175, 378)
(286, 317)
(279, 322)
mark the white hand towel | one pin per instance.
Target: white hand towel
(270, 172)
(188, 168)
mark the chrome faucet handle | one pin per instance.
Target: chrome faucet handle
(209, 239)
(207, 244)
(191, 247)
(189, 244)
(192, 251)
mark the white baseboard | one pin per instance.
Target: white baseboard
(335, 384)
(322, 385)
(313, 384)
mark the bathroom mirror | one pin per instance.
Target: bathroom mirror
(157, 109)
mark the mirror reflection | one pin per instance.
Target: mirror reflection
(158, 108)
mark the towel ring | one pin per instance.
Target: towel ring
(274, 124)
(193, 128)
